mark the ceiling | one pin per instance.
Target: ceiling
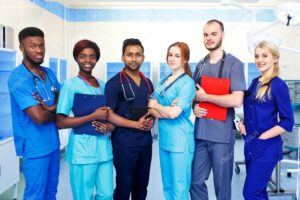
(164, 1)
(89, 3)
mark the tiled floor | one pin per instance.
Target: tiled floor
(155, 185)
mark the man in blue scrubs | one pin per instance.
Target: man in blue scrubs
(34, 92)
(127, 96)
(214, 144)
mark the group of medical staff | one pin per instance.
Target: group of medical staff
(188, 151)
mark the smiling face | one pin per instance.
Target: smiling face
(133, 57)
(33, 49)
(265, 60)
(212, 36)
(87, 60)
(174, 59)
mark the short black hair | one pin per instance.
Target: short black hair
(216, 21)
(131, 41)
(83, 44)
(30, 32)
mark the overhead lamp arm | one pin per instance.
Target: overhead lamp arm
(288, 13)
(288, 20)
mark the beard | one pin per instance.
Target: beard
(132, 69)
(33, 62)
(215, 47)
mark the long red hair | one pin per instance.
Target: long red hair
(185, 54)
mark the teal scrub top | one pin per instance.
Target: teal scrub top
(174, 134)
(82, 148)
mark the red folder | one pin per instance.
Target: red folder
(216, 86)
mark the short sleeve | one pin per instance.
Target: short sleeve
(155, 92)
(21, 90)
(53, 78)
(112, 94)
(102, 86)
(237, 77)
(66, 98)
(186, 94)
(151, 85)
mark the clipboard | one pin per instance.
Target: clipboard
(85, 104)
(216, 86)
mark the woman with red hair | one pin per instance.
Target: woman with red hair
(171, 104)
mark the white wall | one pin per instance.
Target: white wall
(156, 36)
(19, 14)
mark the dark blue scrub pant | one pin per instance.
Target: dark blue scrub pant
(217, 157)
(258, 176)
(41, 176)
(132, 166)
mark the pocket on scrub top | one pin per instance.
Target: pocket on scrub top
(260, 147)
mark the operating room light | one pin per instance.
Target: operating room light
(288, 13)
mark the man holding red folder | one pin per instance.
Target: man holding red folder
(220, 84)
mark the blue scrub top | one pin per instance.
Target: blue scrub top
(125, 137)
(175, 134)
(82, 148)
(32, 140)
(260, 116)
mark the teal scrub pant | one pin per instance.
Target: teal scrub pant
(41, 176)
(176, 171)
(84, 178)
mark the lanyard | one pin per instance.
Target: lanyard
(88, 83)
(205, 62)
(163, 92)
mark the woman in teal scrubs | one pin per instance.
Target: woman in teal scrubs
(89, 155)
(171, 104)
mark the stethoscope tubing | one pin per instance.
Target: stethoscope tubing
(122, 74)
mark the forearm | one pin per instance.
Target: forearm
(233, 100)
(170, 112)
(45, 117)
(117, 120)
(40, 115)
(154, 113)
(50, 108)
(273, 132)
(63, 121)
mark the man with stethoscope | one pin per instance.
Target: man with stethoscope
(214, 137)
(127, 96)
(34, 93)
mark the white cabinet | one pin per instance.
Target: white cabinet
(9, 166)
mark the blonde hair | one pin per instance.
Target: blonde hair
(265, 86)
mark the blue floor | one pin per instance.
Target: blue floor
(155, 185)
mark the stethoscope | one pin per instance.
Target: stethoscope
(132, 97)
(163, 91)
(86, 81)
(203, 63)
(36, 79)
